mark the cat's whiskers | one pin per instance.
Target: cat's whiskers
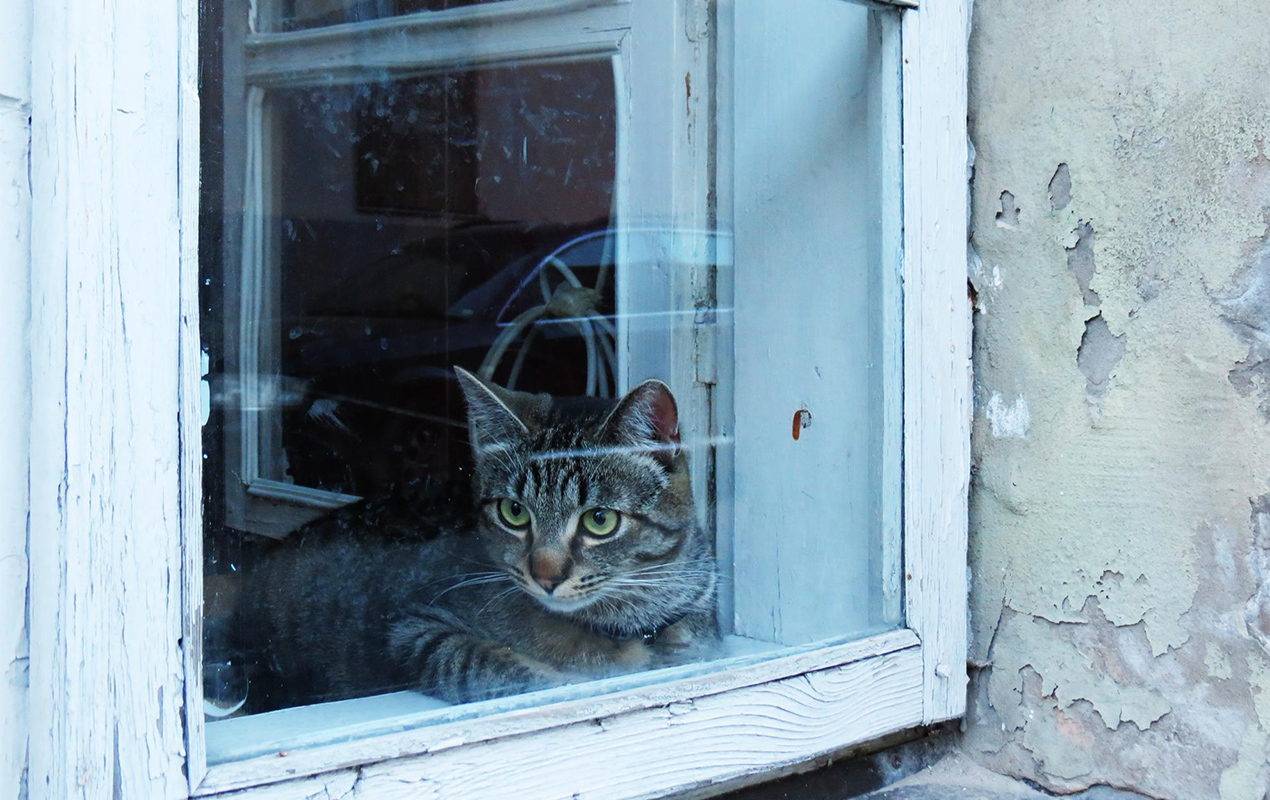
(660, 582)
(462, 576)
(663, 576)
(649, 600)
(458, 557)
(611, 601)
(495, 599)
(470, 582)
(704, 564)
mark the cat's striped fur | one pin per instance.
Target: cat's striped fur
(487, 610)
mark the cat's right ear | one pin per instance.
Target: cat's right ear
(490, 419)
(647, 419)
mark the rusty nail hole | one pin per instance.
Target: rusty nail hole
(910, 576)
(802, 419)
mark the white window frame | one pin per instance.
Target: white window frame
(661, 167)
(115, 695)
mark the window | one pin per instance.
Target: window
(559, 196)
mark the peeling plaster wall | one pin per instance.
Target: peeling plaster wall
(1120, 516)
(15, 226)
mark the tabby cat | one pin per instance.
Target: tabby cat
(581, 558)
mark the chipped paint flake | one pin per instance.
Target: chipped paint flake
(1008, 421)
(1134, 318)
(1069, 674)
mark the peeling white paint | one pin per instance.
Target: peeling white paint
(15, 229)
(1008, 421)
(1068, 674)
(1113, 555)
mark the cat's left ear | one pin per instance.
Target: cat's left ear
(647, 418)
(490, 417)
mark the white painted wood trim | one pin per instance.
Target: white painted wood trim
(15, 402)
(107, 674)
(526, 30)
(723, 400)
(727, 731)
(461, 17)
(889, 86)
(719, 737)
(891, 4)
(937, 368)
(664, 163)
(107, 369)
(190, 410)
(416, 43)
(479, 723)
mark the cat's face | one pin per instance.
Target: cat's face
(586, 504)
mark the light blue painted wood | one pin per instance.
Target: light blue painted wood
(810, 327)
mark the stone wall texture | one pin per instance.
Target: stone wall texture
(1120, 510)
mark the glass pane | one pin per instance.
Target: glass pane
(292, 15)
(521, 387)
(413, 235)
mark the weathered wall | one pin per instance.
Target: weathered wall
(1121, 505)
(15, 225)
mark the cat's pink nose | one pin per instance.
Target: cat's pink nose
(549, 582)
(548, 571)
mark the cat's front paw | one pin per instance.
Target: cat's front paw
(688, 641)
(540, 674)
(508, 673)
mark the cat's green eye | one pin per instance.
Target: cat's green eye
(600, 521)
(514, 514)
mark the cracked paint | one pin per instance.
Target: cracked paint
(1068, 674)
(1120, 552)
(1008, 216)
(1060, 188)
(984, 283)
(1080, 260)
(1246, 310)
(1099, 352)
(15, 230)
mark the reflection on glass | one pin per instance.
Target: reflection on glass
(291, 15)
(492, 413)
(419, 227)
(418, 220)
